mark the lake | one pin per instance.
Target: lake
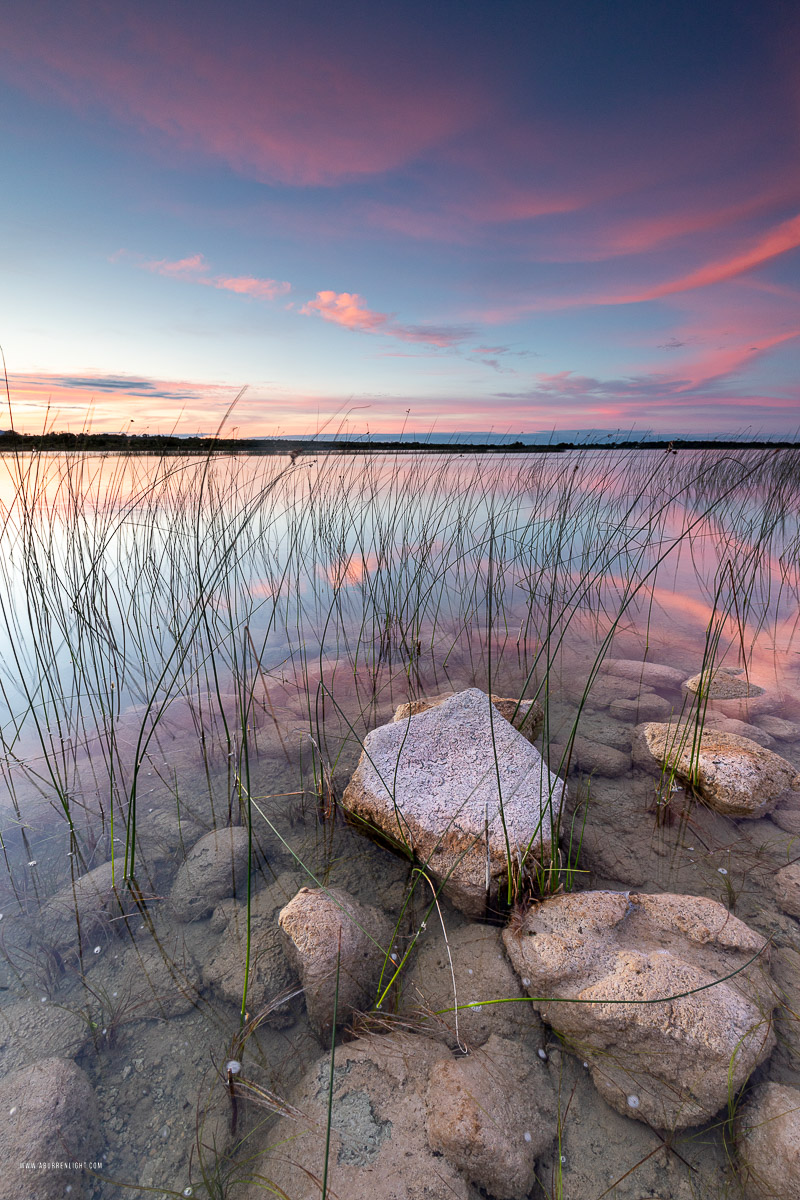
(193, 646)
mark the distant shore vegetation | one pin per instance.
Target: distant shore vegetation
(124, 443)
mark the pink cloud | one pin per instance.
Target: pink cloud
(349, 310)
(776, 241)
(246, 285)
(274, 111)
(563, 398)
(194, 269)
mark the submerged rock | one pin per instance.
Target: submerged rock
(379, 1144)
(651, 674)
(48, 1115)
(471, 966)
(84, 908)
(741, 728)
(786, 888)
(637, 976)
(722, 683)
(437, 782)
(786, 814)
(491, 1114)
(525, 715)
(327, 932)
(272, 979)
(643, 708)
(768, 1143)
(603, 690)
(215, 868)
(778, 727)
(590, 756)
(733, 775)
(30, 1030)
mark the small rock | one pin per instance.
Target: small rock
(327, 930)
(786, 814)
(778, 727)
(215, 867)
(491, 1115)
(768, 1143)
(591, 757)
(603, 690)
(48, 1114)
(84, 908)
(272, 979)
(618, 954)
(30, 1030)
(655, 675)
(434, 784)
(477, 959)
(740, 728)
(733, 775)
(786, 889)
(722, 683)
(643, 708)
(166, 833)
(161, 980)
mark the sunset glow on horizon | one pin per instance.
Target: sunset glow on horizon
(448, 217)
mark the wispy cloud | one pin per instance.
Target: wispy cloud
(290, 100)
(349, 310)
(125, 385)
(195, 269)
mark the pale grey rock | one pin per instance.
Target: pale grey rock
(650, 674)
(431, 785)
(48, 1114)
(636, 964)
(491, 1114)
(379, 1145)
(327, 932)
(525, 715)
(734, 775)
(768, 1143)
(215, 868)
(786, 889)
(648, 707)
(471, 966)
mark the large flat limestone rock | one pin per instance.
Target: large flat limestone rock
(439, 781)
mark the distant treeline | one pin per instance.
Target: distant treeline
(123, 443)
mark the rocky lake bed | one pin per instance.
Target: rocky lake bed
(618, 1024)
(380, 829)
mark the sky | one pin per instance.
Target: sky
(437, 217)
